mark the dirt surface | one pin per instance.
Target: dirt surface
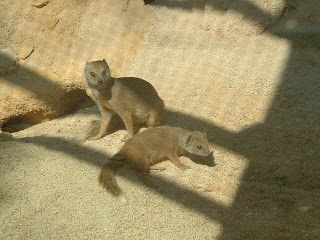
(246, 72)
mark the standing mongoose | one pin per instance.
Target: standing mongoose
(149, 147)
(135, 100)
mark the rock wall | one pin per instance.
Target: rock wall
(45, 45)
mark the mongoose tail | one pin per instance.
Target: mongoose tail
(108, 181)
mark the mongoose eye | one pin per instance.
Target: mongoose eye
(92, 74)
(104, 72)
(200, 147)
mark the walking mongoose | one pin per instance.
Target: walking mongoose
(135, 100)
(149, 147)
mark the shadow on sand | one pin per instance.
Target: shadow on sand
(283, 152)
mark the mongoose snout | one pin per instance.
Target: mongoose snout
(207, 160)
(97, 73)
(206, 153)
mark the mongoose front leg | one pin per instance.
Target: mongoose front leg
(105, 120)
(176, 161)
(157, 168)
(127, 119)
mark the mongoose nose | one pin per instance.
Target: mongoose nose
(100, 80)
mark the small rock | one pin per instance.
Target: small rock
(40, 3)
(148, 1)
(25, 52)
(305, 208)
(249, 214)
(50, 24)
(205, 27)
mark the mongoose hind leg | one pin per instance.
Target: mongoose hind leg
(176, 161)
(154, 120)
(143, 175)
(105, 120)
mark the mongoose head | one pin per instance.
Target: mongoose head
(97, 73)
(195, 143)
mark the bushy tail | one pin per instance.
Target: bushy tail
(108, 181)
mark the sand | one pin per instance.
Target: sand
(250, 83)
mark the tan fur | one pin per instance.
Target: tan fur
(133, 99)
(149, 147)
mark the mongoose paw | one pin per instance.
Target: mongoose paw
(125, 138)
(149, 184)
(185, 167)
(94, 138)
(147, 181)
(157, 168)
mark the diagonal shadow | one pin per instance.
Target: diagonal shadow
(32, 83)
(283, 151)
(171, 190)
(283, 154)
(44, 90)
(244, 7)
(300, 36)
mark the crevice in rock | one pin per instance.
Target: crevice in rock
(73, 100)
(40, 4)
(22, 122)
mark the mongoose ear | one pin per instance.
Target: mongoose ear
(188, 139)
(205, 134)
(185, 140)
(104, 60)
(86, 66)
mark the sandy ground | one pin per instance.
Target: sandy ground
(49, 190)
(255, 91)
(55, 191)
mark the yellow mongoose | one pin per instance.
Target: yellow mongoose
(133, 99)
(149, 147)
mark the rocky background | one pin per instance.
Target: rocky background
(247, 72)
